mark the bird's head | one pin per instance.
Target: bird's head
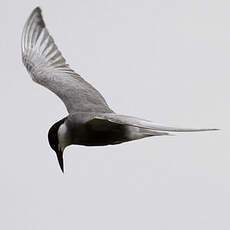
(54, 141)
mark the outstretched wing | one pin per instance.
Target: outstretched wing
(48, 67)
(140, 123)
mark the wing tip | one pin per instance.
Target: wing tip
(37, 9)
(193, 130)
(37, 13)
(35, 17)
(214, 129)
(209, 129)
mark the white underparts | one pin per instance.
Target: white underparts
(63, 137)
(135, 133)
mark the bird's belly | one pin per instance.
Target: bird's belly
(107, 136)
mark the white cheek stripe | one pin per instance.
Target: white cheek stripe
(63, 139)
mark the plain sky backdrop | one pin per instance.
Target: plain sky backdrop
(163, 60)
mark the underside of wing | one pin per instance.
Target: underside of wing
(48, 67)
(144, 124)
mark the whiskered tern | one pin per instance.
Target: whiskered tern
(90, 121)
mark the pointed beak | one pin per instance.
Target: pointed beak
(60, 160)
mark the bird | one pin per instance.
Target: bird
(90, 121)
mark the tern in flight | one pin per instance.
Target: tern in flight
(90, 121)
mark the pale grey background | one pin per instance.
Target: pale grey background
(167, 61)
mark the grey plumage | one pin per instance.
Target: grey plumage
(90, 121)
(48, 67)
